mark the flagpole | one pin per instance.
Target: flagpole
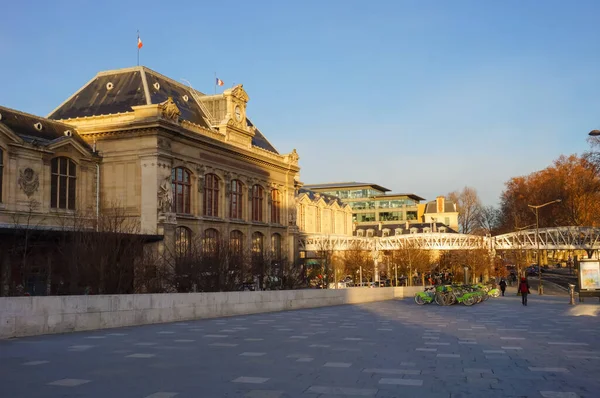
(138, 48)
(215, 81)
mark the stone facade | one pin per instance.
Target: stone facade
(46, 171)
(182, 164)
(322, 214)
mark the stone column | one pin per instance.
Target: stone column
(150, 185)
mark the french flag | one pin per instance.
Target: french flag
(219, 82)
(140, 44)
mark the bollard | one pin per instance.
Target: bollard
(572, 294)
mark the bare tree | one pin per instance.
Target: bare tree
(469, 208)
(23, 246)
(325, 254)
(488, 221)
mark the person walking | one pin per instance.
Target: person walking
(524, 290)
(502, 286)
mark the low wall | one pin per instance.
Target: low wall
(27, 316)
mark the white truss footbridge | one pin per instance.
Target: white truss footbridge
(558, 238)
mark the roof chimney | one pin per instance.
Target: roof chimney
(440, 204)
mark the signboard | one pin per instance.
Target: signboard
(589, 278)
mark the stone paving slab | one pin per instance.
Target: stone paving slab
(498, 348)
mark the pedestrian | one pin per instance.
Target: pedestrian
(524, 290)
(502, 286)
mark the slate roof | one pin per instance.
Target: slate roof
(23, 125)
(449, 207)
(392, 227)
(137, 86)
(314, 196)
(260, 140)
(347, 185)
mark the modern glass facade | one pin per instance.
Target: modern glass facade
(371, 205)
(353, 193)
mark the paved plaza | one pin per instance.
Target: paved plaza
(386, 349)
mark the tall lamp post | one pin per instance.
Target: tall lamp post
(537, 239)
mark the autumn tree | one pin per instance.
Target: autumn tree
(355, 259)
(411, 258)
(572, 179)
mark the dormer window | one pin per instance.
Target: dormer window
(426, 230)
(398, 231)
(370, 233)
(360, 233)
(442, 229)
(385, 232)
(414, 230)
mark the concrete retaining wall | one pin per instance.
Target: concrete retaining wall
(27, 316)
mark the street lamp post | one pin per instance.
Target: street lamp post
(537, 240)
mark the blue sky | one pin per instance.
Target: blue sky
(419, 96)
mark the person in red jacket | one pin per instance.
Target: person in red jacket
(524, 290)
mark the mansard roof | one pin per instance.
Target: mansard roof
(403, 228)
(316, 196)
(449, 207)
(37, 129)
(118, 91)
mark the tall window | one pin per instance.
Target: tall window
(211, 195)
(1, 171)
(302, 217)
(235, 205)
(257, 203)
(236, 242)
(257, 243)
(333, 214)
(183, 241)
(276, 246)
(181, 182)
(63, 183)
(210, 241)
(275, 206)
(318, 219)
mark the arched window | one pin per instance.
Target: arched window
(1, 171)
(236, 242)
(235, 205)
(257, 243)
(183, 241)
(276, 246)
(181, 182)
(210, 241)
(211, 195)
(63, 183)
(257, 203)
(275, 206)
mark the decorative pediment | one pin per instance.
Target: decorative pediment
(239, 93)
(11, 136)
(68, 145)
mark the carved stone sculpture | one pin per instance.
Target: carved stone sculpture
(28, 181)
(165, 196)
(170, 110)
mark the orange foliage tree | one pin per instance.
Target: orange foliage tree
(572, 179)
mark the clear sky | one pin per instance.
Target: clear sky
(424, 97)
